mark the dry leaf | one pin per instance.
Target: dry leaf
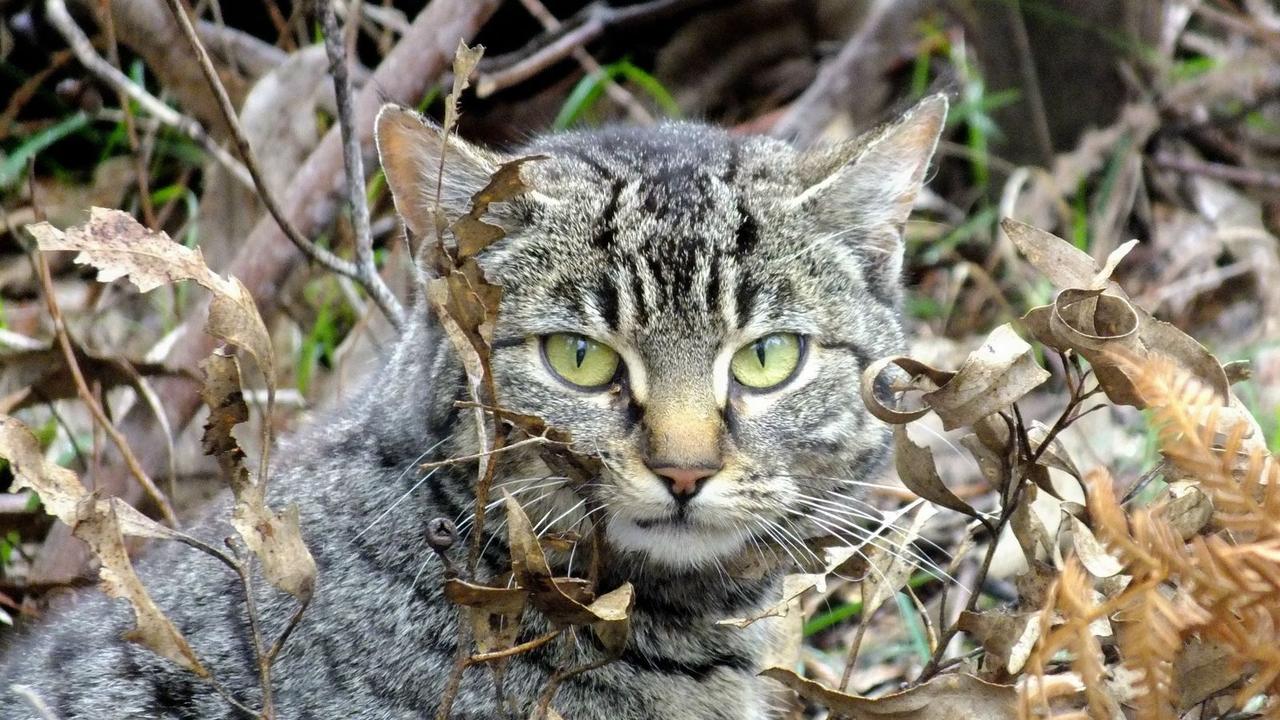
(1189, 511)
(795, 585)
(992, 378)
(495, 612)
(1092, 554)
(1008, 638)
(947, 697)
(919, 473)
(875, 384)
(1094, 317)
(465, 60)
(471, 232)
(119, 246)
(1064, 264)
(275, 538)
(101, 524)
(61, 493)
(99, 528)
(532, 572)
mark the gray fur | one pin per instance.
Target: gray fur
(675, 245)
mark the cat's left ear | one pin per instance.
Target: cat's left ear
(865, 189)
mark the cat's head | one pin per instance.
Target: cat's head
(696, 309)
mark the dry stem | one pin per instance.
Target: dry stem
(87, 396)
(316, 253)
(354, 165)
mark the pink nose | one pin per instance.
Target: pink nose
(684, 482)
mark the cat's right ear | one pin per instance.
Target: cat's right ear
(410, 147)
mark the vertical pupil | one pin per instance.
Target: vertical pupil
(760, 352)
(581, 352)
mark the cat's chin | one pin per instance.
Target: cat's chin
(677, 544)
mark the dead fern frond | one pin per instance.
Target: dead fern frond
(1221, 589)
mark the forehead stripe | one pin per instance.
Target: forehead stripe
(606, 301)
(748, 235)
(605, 230)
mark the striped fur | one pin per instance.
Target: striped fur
(676, 245)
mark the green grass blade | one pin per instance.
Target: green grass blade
(13, 166)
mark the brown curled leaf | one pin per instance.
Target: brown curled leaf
(1096, 559)
(1189, 511)
(101, 523)
(1007, 637)
(919, 473)
(495, 612)
(875, 385)
(1064, 264)
(992, 378)
(947, 697)
(1093, 316)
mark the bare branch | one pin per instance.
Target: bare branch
(561, 41)
(839, 80)
(354, 164)
(316, 253)
(95, 63)
(589, 64)
(1230, 173)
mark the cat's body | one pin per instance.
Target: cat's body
(679, 247)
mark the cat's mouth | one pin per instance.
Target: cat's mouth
(676, 520)
(676, 540)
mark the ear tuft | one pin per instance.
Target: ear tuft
(410, 147)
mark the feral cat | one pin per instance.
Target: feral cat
(693, 308)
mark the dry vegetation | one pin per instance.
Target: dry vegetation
(1091, 529)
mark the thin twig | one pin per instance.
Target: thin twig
(245, 574)
(852, 658)
(86, 395)
(316, 253)
(56, 11)
(1031, 81)
(131, 129)
(560, 42)
(278, 645)
(523, 647)
(354, 164)
(538, 439)
(616, 92)
(1218, 171)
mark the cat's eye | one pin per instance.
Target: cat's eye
(768, 361)
(579, 360)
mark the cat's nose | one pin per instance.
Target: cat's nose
(684, 482)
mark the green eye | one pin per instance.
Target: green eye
(767, 362)
(579, 360)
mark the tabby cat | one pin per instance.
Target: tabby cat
(694, 308)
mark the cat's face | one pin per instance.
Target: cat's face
(696, 310)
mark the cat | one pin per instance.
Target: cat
(694, 308)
